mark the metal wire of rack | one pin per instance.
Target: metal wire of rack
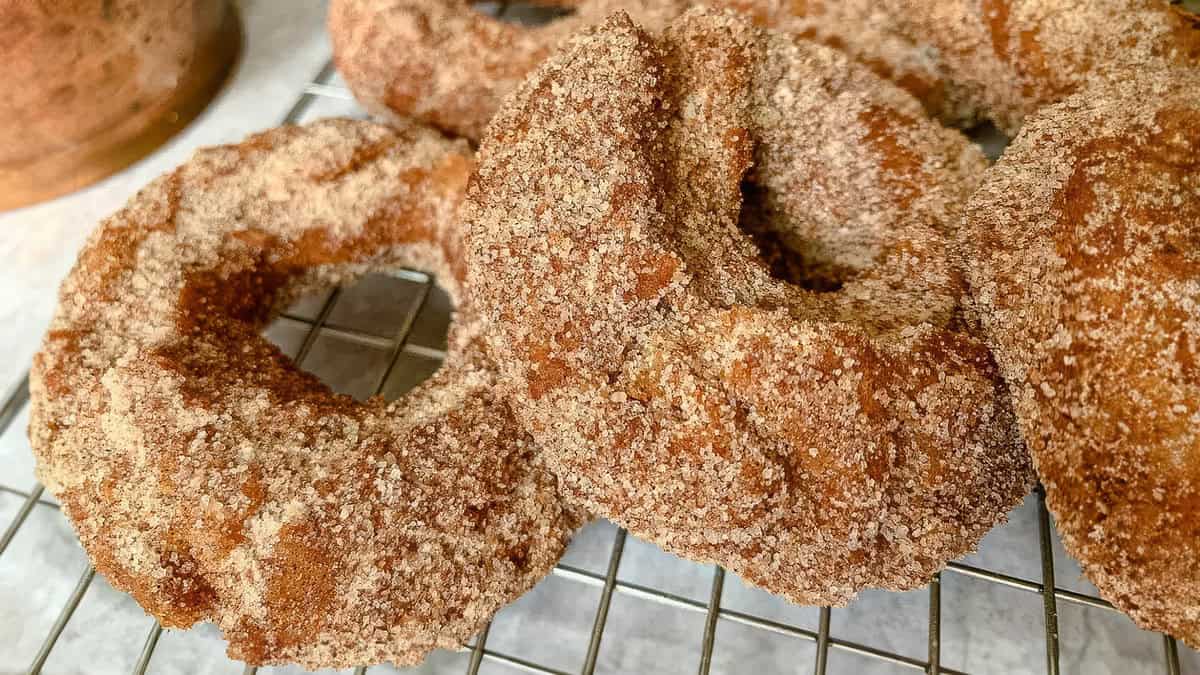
(608, 583)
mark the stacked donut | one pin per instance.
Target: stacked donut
(1080, 229)
(965, 60)
(1084, 250)
(212, 479)
(721, 277)
(816, 431)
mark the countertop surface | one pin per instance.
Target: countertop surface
(986, 627)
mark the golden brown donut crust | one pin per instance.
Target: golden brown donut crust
(212, 479)
(447, 64)
(814, 443)
(866, 31)
(1007, 58)
(965, 60)
(1085, 250)
(443, 62)
(971, 60)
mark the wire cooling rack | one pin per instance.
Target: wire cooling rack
(403, 363)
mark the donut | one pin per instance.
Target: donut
(213, 480)
(1007, 58)
(966, 60)
(447, 64)
(865, 31)
(817, 427)
(999, 60)
(1084, 259)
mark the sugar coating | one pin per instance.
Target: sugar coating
(816, 443)
(965, 60)
(867, 31)
(1004, 59)
(1084, 244)
(212, 479)
(444, 62)
(447, 64)
(970, 60)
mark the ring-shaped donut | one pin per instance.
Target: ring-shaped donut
(818, 437)
(966, 60)
(447, 64)
(212, 479)
(1084, 250)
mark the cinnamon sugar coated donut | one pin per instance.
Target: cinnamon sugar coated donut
(447, 64)
(865, 30)
(966, 60)
(969, 60)
(209, 477)
(444, 62)
(817, 437)
(1085, 250)
(1007, 58)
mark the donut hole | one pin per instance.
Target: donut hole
(990, 139)
(798, 268)
(822, 264)
(384, 334)
(522, 13)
